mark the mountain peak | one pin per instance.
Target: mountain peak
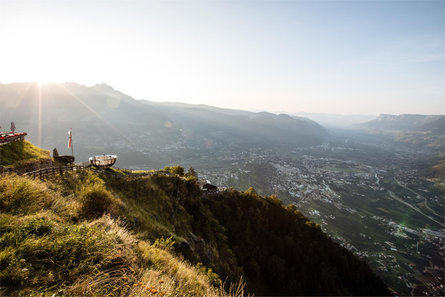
(103, 87)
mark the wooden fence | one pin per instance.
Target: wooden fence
(50, 171)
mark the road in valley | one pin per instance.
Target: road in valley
(414, 208)
(417, 194)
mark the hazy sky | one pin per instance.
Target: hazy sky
(366, 57)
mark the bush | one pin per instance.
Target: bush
(214, 278)
(192, 174)
(165, 243)
(95, 201)
(73, 182)
(179, 170)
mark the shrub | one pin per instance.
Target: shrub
(73, 182)
(214, 278)
(179, 170)
(95, 201)
(165, 243)
(192, 174)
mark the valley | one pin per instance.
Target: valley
(381, 209)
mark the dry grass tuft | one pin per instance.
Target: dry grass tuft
(20, 195)
(188, 280)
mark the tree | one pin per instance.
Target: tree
(192, 173)
(179, 170)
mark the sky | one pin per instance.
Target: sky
(343, 57)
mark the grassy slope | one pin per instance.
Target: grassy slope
(57, 240)
(89, 234)
(19, 153)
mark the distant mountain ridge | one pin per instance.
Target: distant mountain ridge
(407, 122)
(104, 119)
(336, 120)
(424, 132)
(243, 127)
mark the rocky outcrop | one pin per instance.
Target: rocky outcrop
(65, 159)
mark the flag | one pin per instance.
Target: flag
(70, 133)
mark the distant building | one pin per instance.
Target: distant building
(205, 185)
(6, 137)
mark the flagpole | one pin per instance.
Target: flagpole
(70, 141)
(72, 150)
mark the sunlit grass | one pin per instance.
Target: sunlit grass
(19, 153)
(67, 237)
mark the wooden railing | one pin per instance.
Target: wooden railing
(50, 171)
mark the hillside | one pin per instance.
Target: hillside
(55, 243)
(23, 156)
(115, 233)
(336, 120)
(227, 127)
(424, 132)
(407, 122)
(142, 133)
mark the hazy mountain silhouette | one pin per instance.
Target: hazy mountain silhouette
(105, 119)
(425, 132)
(407, 123)
(336, 120)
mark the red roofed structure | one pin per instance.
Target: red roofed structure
(6, 137)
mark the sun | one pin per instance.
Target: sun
(42, 82)
(44, 78)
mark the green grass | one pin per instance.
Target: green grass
(22, 152)
(142, 171)
(20, 196)
(67, 237)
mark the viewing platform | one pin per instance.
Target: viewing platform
(6, 137)
(103, 161)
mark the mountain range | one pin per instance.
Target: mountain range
(409, 131)
(407, 123)
(105, 120)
